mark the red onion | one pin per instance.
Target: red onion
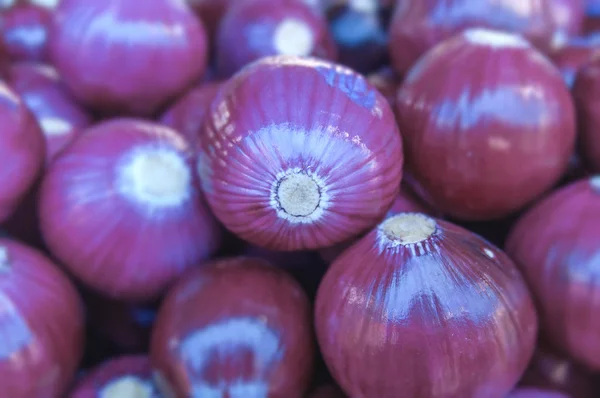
(535, 393)
(568, 18)
(387, 82)
(254, 29)
(483, 145)
(41, 324)
(211, 12)
(328, 391)
(123, 377)
(574, 55)
(253, 340)
(188, 113)
(24, 31)
(22, 150)
(418, 26)
(135, 180)
(423, 308)
(586, 92)
(299, 154)
(118, 57)
(556, 245)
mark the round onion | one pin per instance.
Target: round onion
(536, 393)
(574, 55)
(254, 29)
(121, 209)
(22, 150)
(483, 145)
(118, 57)
(24, 31)
(586, 92)
(556, 245)
(418, 26)
(253, 340)
(299, 154)
(123, 377)
(420, 307)
(41, 325)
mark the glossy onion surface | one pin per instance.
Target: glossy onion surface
(24, 31)
(41, 325)
(488, 124)
(22, 150)
(586, 92)
(556, 245)
(59, 116)
(574, 55)
(236, 327)
(299, 154)
(118, 57)
(258, 28)
(421, 308)
(122, 377)
(120, 207)
(418, 26)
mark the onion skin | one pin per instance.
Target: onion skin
(535, 393)
(474, 156)
(452, 303)
(43, 330)
(146, 240)
(344, 140)
(135, 366)
(570, 58)
(21, 147)
(115, 68)
(556, 245)
(256, 333)
(24, 30)
(586, 93)
(568, 18)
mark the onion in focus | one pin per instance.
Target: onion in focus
(420, 307)
(586, 92)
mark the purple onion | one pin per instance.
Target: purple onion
(568, 16)
(24, 30)
(536, 393)
(586, 92)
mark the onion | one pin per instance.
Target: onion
(568, 16)
(118, 57)
(387, 82)
(418, 26)
(574, 55)
(41, 324)
(22, 150)
(254, 29)
(556, 245)
(253, 340)
(420, 307)
(586, 92)
(328, 391)
(123, 377)
(483, 145)
(211, 12)
(299, 154)
(121, 209)
(24, 32)
(536, 393)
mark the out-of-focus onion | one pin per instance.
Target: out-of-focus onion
(568, 16)
(422, 308)
(586, 92)
(120, 207)
(236, 327)
(118, 57)
(556, 244)
(299, 154)
(24, 32)
(41, 325)
(574, 55)
(488, 124)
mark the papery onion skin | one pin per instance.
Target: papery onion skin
(120, 207)
(449, 316)
(570, 58)
(24, 31)
(586, 93)
(124, 370)
(556, 246)
(42, 325)
(22, 150)
(336, 135)
(482, 145)
(254, 29)
(119, 58)
(536, 393)
(254, 337)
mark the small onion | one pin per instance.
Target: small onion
(483, 145)
(574, 55)
(121, 209)
(253, 339)
(299, 154)
(556, 244)
(41, 325)
(422, 308)
(118, 57)
(586, 92)
(24, 30)
(536, 393)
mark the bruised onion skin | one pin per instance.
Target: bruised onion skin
(122, 377)
(254, 29)
(586, 92)
(418, 26)
(556, 245)
(299, 154)
(574, 55)
(253, 339)
(536, 393)
(482, 145)
(24, 31)
(41, 325)
(121, 209)
(22, 150)
(118, 57)
(422, 308)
